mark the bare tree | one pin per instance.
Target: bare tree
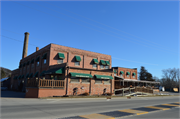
(170, 78)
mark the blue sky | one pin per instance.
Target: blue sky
(134, 33)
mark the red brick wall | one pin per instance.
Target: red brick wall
(125, 70)
(51, 92)
(69, 53)
(48, 92)
(31, 93)
(94, 88)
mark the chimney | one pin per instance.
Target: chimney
(37, 48)
(25, 48)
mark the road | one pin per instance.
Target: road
(59, 108)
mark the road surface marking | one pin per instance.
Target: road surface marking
(96, 116)
(133, 111)
(171, 105)
(158, 108)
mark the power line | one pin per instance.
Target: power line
(134, 61)
(100, 27)
(55, 47)
(17, 40)
(105, 25)
(95, 29)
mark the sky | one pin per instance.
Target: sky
(134, 33)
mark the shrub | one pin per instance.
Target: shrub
(85, 94)
(109, 94)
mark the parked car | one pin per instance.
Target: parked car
(4, 88)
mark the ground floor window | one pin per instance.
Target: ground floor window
(74, 79)
(55, 77)
(106, 81)
(85, 80)
(98, 80)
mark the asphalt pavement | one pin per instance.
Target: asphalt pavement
(60, 108)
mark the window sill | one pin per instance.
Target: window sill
(98, 83)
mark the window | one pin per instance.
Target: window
(44, 77)
(101, 66)
(98, 80)
(114, 74)
(74, 79)
(60, 61)
(94, 65)
(32, 65)
(60, 78)
(77, 63)
(121, 75)
(28, 67)
(133, 76)
(106, 81)
(37, 64)
(55, 78)
(127, 75)
(52, 77)
(44, 61)
(85, 79)
(106, 67)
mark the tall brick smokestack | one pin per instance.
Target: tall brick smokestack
(25, 48)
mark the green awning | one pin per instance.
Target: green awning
(24, 64)
(134, 74)
(42, 73)
(78, 58)
(32, 61)
(95, 61)
(56, 71)
(115, 71)
(19, 77)
(27, 75)
(121, 72)
(103, 77)
(107, 63)
(28, 63)
(44, 56)
(36, 74)
(31, 75)
(80, 75)
(37, 59)
(127, 73)
(22, 76)
(15, 77)
(61, 55)
(103, 62)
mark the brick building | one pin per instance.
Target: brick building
(57, 70)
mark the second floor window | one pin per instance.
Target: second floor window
(101, 66)
(77, 63)
(32, 65)
(106, 67)
(60, 61)
(94, 65)
(37, 64)
(44, 61)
